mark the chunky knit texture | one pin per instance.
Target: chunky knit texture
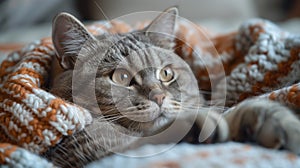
(258, 60)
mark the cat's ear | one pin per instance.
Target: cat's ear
(68, 36)
(161, 30)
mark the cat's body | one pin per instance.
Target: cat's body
(135, 86)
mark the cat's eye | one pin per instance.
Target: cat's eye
(121, 77)
(166, 74)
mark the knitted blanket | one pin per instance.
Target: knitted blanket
(257, 60)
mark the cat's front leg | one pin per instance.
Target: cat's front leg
(209, 126)
(265, 122)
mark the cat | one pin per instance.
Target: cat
(140, 85)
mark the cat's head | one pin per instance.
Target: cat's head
(135, 78)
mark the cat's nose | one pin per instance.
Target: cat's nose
(158, 97)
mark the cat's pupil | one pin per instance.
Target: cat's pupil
(121, 76)
(166, 74)
(124, 77)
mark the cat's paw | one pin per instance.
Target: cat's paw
(214, 127)
(209, 127)
(265, 122)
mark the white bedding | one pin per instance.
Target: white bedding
(223, 155)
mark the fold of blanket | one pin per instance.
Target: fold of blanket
(258, 60)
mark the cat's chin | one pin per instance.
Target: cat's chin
(153, 126)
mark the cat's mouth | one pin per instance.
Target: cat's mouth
(145, 116)
(149, 126)
(145, 113)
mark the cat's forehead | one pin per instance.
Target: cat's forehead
(135, 51)
(133, 39)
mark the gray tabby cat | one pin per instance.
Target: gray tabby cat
(140, 86)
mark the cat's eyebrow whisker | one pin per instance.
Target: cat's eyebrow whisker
(101, 11)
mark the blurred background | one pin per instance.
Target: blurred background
(23, 21)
